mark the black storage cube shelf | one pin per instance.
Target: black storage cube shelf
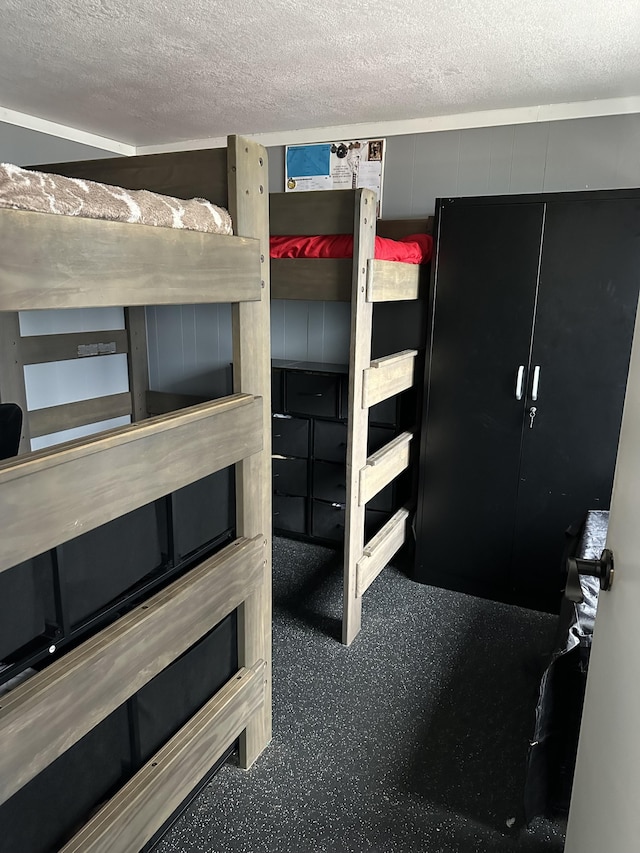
(47, 811)
(166, 703)
(330, 441)
(290, 477)
(290, 436)
(202, 511)
(23, 595)
(311, 394)
(310, 448)
(329, 518)
(290, 513)
(41, 817)
(100, 565)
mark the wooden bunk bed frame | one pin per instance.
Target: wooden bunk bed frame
(362, 281)
(49, 497)
(18, 352)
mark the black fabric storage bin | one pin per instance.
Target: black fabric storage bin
(202, 511)
(329, 519)
(22, 605)
(330, 441)
(329, 482)
(290, 436)
(312, 393)
(290, 513)
(277, 394)
(290, 476)
(53, 806)
(100, 565)
(169, 700)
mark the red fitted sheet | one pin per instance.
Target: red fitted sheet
(414, 249)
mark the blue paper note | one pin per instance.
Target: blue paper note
(305, 161)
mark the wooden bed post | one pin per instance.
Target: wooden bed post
(248, 185)
(12, 386)
(359, 360)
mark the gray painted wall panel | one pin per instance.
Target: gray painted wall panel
(396, 173)
(28, 147)
(190, 349)
(500, 159)
(337, 320)
(529, 158)
(276, 169)
(474, 161)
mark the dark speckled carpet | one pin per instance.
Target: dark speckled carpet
(413, 739)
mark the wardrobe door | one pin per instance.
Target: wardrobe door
(582, 343)
(483, 296)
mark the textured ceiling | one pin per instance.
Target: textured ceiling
(154, 71)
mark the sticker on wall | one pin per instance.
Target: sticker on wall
(354, 164)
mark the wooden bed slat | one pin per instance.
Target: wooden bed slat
(90, 263)
(321, 279)
(390, 281)
(40, 349)
(388, 376)
(383, 466)
(379, 550)
(309, 214)
(81, 413)
(46, 715)
(49, 497)
(131, 818)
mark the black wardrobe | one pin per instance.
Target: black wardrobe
(533, 302)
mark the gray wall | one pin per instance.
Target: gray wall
(28, 147)
(595, 153)
(598, 153)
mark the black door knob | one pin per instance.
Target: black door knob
(602, 569)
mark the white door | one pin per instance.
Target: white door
(605, 807)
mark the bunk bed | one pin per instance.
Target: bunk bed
(365, 282)
(51, 496)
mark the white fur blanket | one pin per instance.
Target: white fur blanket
(24, 189)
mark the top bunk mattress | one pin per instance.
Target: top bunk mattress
(25, 189)
(414, 249)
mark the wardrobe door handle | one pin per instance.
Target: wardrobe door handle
(520, 382)
(535, 383)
